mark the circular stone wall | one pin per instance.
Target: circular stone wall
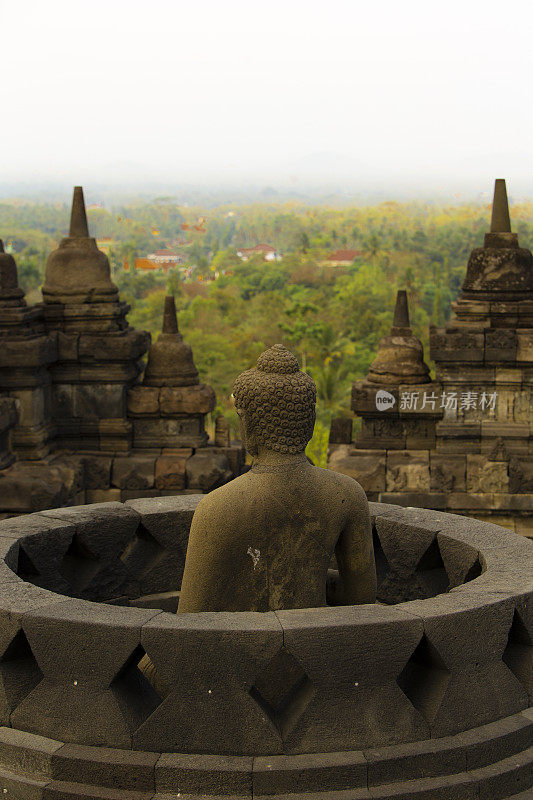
(447, 650)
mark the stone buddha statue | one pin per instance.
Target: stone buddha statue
(265, 540)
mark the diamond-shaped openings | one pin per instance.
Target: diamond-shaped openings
(424, 679)
(142, 553)
(79, 565)
(474, 572)
(431, 571)
(26, 569)
(19, 674)
(283, 691)
(518, 654)
(137, 689)
(382, 565)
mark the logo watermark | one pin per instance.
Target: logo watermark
(384, 400)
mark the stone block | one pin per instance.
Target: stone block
(199, 399)
(381, 434)
(27, 753)
(126, 345)
(235, 454)
(408, 471)
(67, 346)
(93, 700)
(168, 432)
(412, 761)
(419, 434)
(340, 431)
(99, 400)
(365, 401)
(524, 352)
(365, 466)
(103, 496)
(143, 400)
(447, 472)
(523, 406)
(31, 406)
(206, 470)
(308, 773)
(190, 652)
(97, 472)
(486, 476)
(505, 778)
(436, 500)
(465, 636)
(133, 472)
(500, 344)
(204, 775)
(457, 346)
(170, 471)
(119, 769)
(62, 400)
(371, 646)
(164, 534)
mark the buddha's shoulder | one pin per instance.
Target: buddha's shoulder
(226, 501)
(342, 485)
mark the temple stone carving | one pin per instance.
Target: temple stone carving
(75, 400)
(462, 442)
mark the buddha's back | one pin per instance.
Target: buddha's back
(265, 540)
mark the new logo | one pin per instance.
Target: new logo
(384, 400)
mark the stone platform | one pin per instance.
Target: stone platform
(426, 695)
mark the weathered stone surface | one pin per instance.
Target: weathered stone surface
(133, 472)
(169, 432)
(486, 476)
(340, 431)
(97, 472)
(206, 470)
(365, 466)
(408, 471)
(170, 471)
(170, 360)
(98, 400)
(447, 472)
(199, 399)
(143, 400)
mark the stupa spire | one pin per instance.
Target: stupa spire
(170, 360)
(78, 216)
(170, 318)
(401, 311)
(2, 246)
(500, 222)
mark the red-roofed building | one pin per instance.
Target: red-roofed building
(343, 258)
(268, 252)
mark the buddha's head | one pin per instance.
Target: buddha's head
(275, 403)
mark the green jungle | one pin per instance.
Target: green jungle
(230, 310)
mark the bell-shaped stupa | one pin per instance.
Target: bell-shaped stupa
(10, 292)
(77, 271)
(400, 356)
(500, 270)
(170, 359)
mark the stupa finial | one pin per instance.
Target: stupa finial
(170, 318)
(78, 216)
(500, 222)
(401, 311)
(1, 246)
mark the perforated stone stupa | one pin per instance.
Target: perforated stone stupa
(78, 421)
(462, 442)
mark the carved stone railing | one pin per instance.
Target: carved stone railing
(448, 648)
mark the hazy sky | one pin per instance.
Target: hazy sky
(124, 91)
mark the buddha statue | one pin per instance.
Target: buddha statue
(265, 540)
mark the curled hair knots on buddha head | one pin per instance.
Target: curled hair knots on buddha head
(279, 401)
